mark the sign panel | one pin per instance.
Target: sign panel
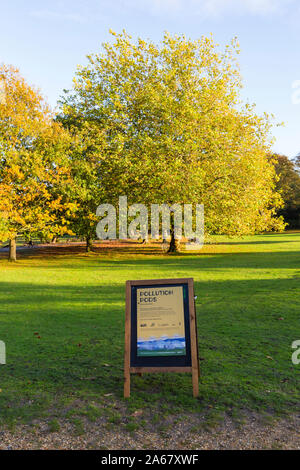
(160, 321)
(160, 329)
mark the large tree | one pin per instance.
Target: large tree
(175, 130)
(33, 163)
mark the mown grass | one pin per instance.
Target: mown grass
(62, 319)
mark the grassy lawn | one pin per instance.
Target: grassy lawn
(62, 319)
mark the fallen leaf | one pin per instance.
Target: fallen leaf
(137, 413)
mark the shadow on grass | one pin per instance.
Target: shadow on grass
(257, 242)
(131, 247)
(185, 263)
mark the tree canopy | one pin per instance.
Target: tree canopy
(160, 123)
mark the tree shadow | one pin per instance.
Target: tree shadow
(131, 247)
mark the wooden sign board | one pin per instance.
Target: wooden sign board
(161, 329)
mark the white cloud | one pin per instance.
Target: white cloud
(153, 6)
(210, 8)
(206, 9)
(255, 7)
(55, 15)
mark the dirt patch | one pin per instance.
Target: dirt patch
(178, 433)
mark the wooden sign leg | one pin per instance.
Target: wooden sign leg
(195, 380)
(194, 342)
(126, 383)
(127, 341)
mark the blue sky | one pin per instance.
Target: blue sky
(47, 39)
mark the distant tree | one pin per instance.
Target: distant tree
(289, 186)
(175, 131)
(32, 163)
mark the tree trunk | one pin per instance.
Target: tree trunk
(89, 244)
(12, 250)
(174, 244)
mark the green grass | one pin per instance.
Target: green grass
(62, 319)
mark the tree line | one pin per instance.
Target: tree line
(160, 123)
